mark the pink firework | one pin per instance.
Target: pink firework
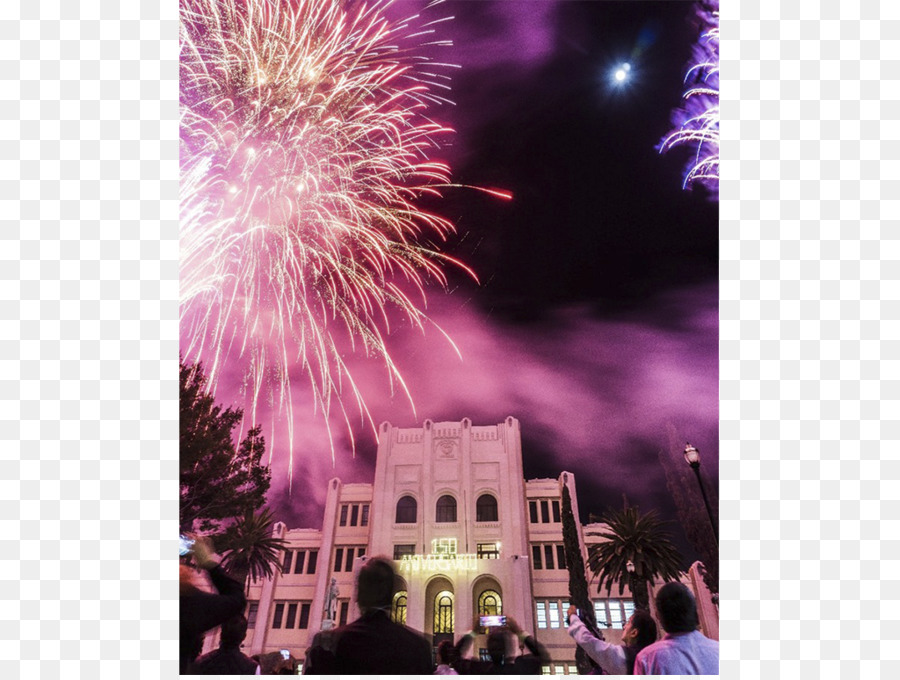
(306, 149)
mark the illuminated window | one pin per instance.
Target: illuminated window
(487, 551)
(406, 510)
(541, 614)
(446, 509)
(553, 607)
(486, 508)
(559, 670)
(443, 612)
(489, 603)
(545, 670)
(398, 608)
(614, 613)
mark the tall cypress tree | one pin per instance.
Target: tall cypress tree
(578, 585)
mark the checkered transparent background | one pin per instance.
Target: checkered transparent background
(88, 293)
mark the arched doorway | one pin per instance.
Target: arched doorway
(440, 609)
(399, 601)
(487, 597)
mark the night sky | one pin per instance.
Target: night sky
(595, 321)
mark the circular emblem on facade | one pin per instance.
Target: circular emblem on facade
(445, 448)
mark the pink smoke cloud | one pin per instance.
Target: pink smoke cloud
(591, 394)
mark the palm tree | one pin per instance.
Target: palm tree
(253, 553)
(639, 539)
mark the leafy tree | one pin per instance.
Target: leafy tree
(217, 482)
(578, 585)
(253, 553)
(640, 539)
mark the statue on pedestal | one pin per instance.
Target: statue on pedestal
(331, 601)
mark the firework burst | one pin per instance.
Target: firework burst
(697, 122)
(305, 149)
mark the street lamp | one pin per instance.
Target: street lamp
(640, 598)
(692, 456)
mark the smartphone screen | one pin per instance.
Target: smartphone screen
(186, 545)
(492, 621)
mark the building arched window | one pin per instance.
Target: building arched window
(489, 603)
(443, 612)
(446, 509)
(486, 508)
(406, 510)
(398, 608)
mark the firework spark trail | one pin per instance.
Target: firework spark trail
(697, 122)
(304, 151)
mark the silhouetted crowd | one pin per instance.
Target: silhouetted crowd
(376, 645)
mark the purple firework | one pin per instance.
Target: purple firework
(696, 123)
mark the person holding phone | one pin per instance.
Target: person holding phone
(531, 661)
(498, 645)
(639, 632)
(199, 611)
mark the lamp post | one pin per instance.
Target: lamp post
(692, 456)
(641, 599)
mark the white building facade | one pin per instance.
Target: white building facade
(469, 536)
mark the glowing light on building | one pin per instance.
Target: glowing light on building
(443, 557)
